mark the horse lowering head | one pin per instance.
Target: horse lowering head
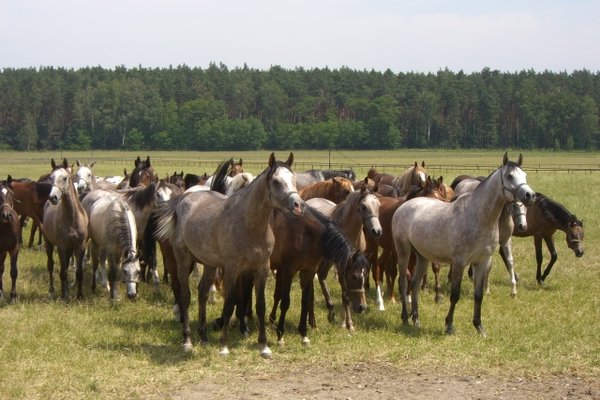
(575, 235)
(514, 182)
(354, 281)
(368, 209)
(282, 186)
(6, 203)
(61, 180)
(142, 174)
(131, 274)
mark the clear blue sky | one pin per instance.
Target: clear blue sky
(416, 35)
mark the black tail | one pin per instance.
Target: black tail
(219, 182)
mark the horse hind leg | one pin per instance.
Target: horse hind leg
(507, 257)
(553, 257)
(50, 267)
(2, 259)
(421, 265)
(260, 280)
(322, 274)
(456, 280)
(480, 273)
(14, 273)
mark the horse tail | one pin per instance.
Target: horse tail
(219, 181)
(163, 220)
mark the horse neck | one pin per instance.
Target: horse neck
(128, 232)
(487, 200)
(254, 203)
(70, 201)
(347, 218)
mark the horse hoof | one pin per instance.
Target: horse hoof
(224, 352)
(266, 353)
(481, 331)
(187, 346)
(381, 307)
(450, 330)
(280, 342)
(513, 294)
(305, 341)
(439, 298)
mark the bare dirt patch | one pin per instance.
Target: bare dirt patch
(385, 381)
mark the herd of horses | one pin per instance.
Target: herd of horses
(243, 228)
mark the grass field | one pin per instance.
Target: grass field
(97, 349)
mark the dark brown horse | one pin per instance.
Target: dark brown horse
(544, 218)
(142, 174)
(30, 197)
(10, 231)
(301, 244)
(176, 179)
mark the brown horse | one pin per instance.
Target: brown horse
(301, 244)
(414, 176)
(359, 210)
(192, 218)
(10, 231)
(334, 189)
(544, 218)
(176, 179)
(66, 227)
(142, 174)
(30, 198)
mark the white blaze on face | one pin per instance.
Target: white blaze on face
(4, 191)
(422, 177)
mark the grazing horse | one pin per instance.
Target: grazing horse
(113, 236)
(300, 246)
(142, 174)
(10, 232)
(414, 176)
(544, 217)
(359, 210)
(463, 232)
(190, 220)
(512, 217)
(65, 227)
(29, 200)
(333, 189)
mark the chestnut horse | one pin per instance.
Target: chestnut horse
(189, 220)
(333, 189)
(10, 231)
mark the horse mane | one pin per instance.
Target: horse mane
(42, 189)
(219, 181)
(555, 211)
(122, 229)
(141, 196)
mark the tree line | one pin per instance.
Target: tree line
(215, 108)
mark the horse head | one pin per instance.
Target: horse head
(142, 174)
(131, 274)
(575, 235)
(7, 212)
(281, 182)
(518, 211)
(354, 281)
(60, 179)
(514, 182)
(84, 177)
(368, 208)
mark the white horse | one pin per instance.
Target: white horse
(463, 232)
(513, 215)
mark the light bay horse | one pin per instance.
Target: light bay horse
(463, 232)
(231, 233)
(65, 226)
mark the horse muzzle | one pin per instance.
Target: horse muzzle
(295, 204)
(526, 195)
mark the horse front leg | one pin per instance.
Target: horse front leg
(260, 279)
(480, 273)
(2, 259)
(306, 284)
(322, 274)
(50, 267)
(435, 267)
(14, 273)
(507, 258)
(229, 303)
(456, 279)
(79, 254)
(64, 256)
(113, 265)
(403, 285)
(553, 256)
(421, 264)
(539, 258)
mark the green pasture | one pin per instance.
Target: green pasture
(96, 349)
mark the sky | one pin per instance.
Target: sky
(403, 36)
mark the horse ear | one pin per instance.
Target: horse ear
(65, 163)
(52, 163)
(137, 161)
(125, 171)
(290, 159)
(423, 163)
(9, 179)
(505, 159)
(416, 164)
(520, 162)
(92, 164)
(272, 159)
(147, 161)
(77, 162)
(240, 163)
